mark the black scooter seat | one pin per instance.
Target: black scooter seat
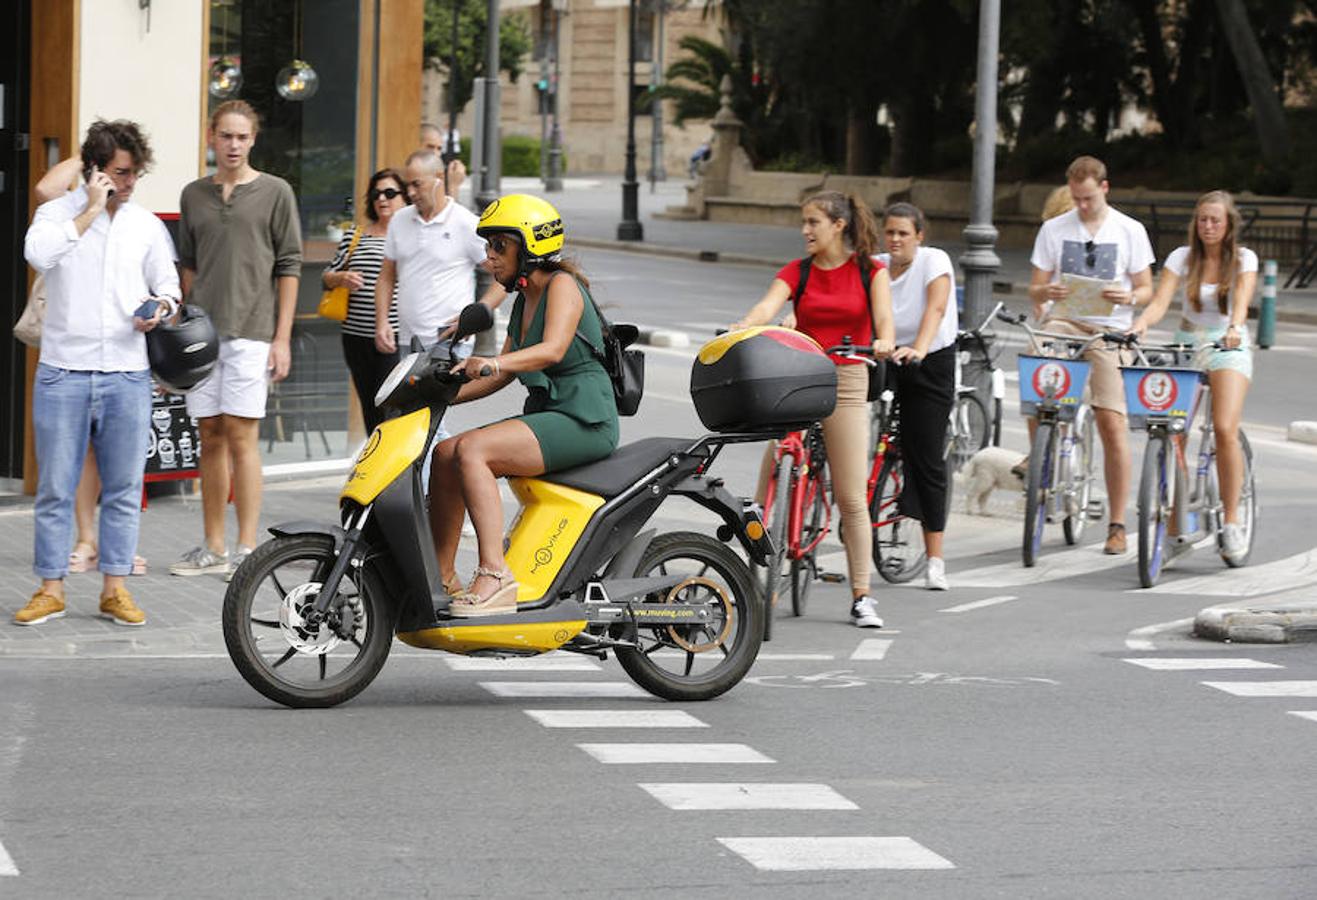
(619, 470)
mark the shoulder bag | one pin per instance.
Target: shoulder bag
(625, 368)
(334, 301)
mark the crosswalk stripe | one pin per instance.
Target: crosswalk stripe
(872, 648)
(786, 657)
(1066, 563)
(1266, 688)
(1304, 714)
(744, 796)
(7, 866)
(547, 663)
(1166, 664)
(979, 604)
(630, 754)
(562, 689)
(800, 854)
(614, 718)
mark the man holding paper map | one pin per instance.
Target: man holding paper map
(1091, 268)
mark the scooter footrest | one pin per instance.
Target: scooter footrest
(564, 611)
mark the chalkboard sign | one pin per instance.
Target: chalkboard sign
(174, 448)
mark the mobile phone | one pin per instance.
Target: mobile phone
(148, 309)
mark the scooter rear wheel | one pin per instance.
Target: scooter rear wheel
(697, 662)
(267, 636)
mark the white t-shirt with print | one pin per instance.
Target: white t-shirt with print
(1209, 316)
(1120, 248)
(436, 263)
(910, 297)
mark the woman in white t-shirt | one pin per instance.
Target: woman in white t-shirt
(923, 283)
(1219, 279)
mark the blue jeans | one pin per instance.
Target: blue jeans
(113, 411)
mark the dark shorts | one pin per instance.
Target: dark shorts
(566, 442)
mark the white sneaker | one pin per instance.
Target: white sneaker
(236, 559)
(935, 576)
(1233, 546)
(864, 613)
(201, 561)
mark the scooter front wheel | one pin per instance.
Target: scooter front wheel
(273, 646)
(701, 661)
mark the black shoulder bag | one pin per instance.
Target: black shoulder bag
(625, 368)
(878, 373)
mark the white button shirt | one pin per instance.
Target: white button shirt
(95, 281)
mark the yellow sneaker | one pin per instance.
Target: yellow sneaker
(41, 608)
(120, 609)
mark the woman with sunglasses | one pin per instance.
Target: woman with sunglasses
(358, 268)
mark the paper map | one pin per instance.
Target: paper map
(1085, 298)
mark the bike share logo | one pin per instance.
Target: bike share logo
(371, 446)
(544, 555)
(1157, 391)
(1051, 380)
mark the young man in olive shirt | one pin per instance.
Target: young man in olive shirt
(240, 248)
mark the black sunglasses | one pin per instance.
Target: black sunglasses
(498, 243)
(386, 193)
(1090, 254)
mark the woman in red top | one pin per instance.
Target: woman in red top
(839, 229)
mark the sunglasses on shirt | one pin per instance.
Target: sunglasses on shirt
(386, 193)
(1090, 254)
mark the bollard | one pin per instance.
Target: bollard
(1267, 313)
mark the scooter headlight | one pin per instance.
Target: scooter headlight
(395, 378)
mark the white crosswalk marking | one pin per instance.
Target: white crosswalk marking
(721, 754)
(7, 866)
(550, 662)
(706, 796)
(786, 657)
(799, 854)
(872, 648)
(1266, 688)
(1304, 714)
(562, 689)
(1165, 664)
(614, 718)
(979, 604)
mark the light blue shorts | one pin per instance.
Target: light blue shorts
(1240, 360)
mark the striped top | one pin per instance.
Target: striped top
(366, 259)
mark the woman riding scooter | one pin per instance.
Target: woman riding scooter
(570, 416)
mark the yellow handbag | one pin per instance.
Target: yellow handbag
(334, 302)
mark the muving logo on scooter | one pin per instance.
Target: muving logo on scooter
(544, 555)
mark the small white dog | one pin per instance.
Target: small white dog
(990, 468)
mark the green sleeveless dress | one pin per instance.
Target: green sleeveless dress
(570, 408)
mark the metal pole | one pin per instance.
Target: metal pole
(630, 229)
(980, 261)
(554, 180)
(492, 163)
(452, 145)
(657, 171)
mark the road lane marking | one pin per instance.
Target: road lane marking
(563, 689)
(1166, 664)
(1140, 638)
(872, 648)
(745, 796)
(547, 663)
(979, 604)
(1304, 714)
(721, 754)
(785, 657)
(802, 854)
(7, 866)
(1266, 688)
(1251, 581)
(614, 718)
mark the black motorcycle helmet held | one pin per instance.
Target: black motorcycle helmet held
(183, 352)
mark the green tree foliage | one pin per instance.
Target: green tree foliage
(514, 43)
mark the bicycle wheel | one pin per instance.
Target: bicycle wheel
(777, 505)
(1038, 485)
(1077, 480)
(1156, 507)
(1248, 506)
(898, 541)
(814, 520)
(968, 433)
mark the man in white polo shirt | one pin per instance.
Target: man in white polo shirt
(431, 253)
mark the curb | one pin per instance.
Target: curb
(1253, 625)
(1302, 432)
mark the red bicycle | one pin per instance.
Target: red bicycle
(800, 517)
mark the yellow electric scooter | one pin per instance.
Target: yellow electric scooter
(310, 615)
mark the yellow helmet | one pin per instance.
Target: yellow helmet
(534, 220)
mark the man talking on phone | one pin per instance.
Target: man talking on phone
(102, 256)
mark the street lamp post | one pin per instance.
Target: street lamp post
(553, 181)
(657, 171)
(630, 229)
(491, 162)
(451, 144)
(980, 261)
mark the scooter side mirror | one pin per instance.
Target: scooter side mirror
(474, 318)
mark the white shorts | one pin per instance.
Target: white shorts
(238, 384)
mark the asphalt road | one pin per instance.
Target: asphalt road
(995, 740)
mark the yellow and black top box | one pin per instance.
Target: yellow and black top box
(762, 379)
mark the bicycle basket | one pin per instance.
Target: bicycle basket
(1045, 379)
(1155, 394)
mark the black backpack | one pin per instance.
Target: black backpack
(625, 368)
